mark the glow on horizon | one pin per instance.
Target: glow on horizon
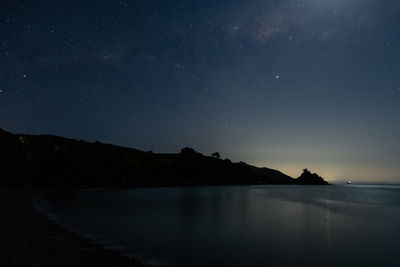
(282, 84)
(332, 173)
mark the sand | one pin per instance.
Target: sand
(30, 239)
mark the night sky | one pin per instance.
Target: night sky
(286, 84)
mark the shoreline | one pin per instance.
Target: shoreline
(30, 238)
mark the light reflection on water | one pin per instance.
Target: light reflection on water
(241, 225)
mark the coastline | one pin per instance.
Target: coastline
(29, 238)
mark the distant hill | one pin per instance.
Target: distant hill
(54, 161)
(310, 178)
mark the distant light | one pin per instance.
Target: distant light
(1, 91)
(276, 76)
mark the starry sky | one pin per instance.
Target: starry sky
(286, 84)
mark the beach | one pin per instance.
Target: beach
(30, 239)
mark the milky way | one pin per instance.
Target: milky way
(284, 84)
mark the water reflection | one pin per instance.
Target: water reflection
(242, 225)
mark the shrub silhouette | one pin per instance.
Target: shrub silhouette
(216, 155)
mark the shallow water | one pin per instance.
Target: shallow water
(240, 225)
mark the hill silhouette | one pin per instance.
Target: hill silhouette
(310, 178)
(55, 161)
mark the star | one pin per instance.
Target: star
(173, 66)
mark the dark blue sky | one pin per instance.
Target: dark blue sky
(284, 84)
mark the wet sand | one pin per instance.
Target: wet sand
(30, 239)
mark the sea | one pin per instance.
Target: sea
(263, 225)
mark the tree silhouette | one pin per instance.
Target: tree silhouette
(216, 155)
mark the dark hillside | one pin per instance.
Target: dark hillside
(52, 160)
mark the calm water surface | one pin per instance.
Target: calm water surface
(240, 225)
